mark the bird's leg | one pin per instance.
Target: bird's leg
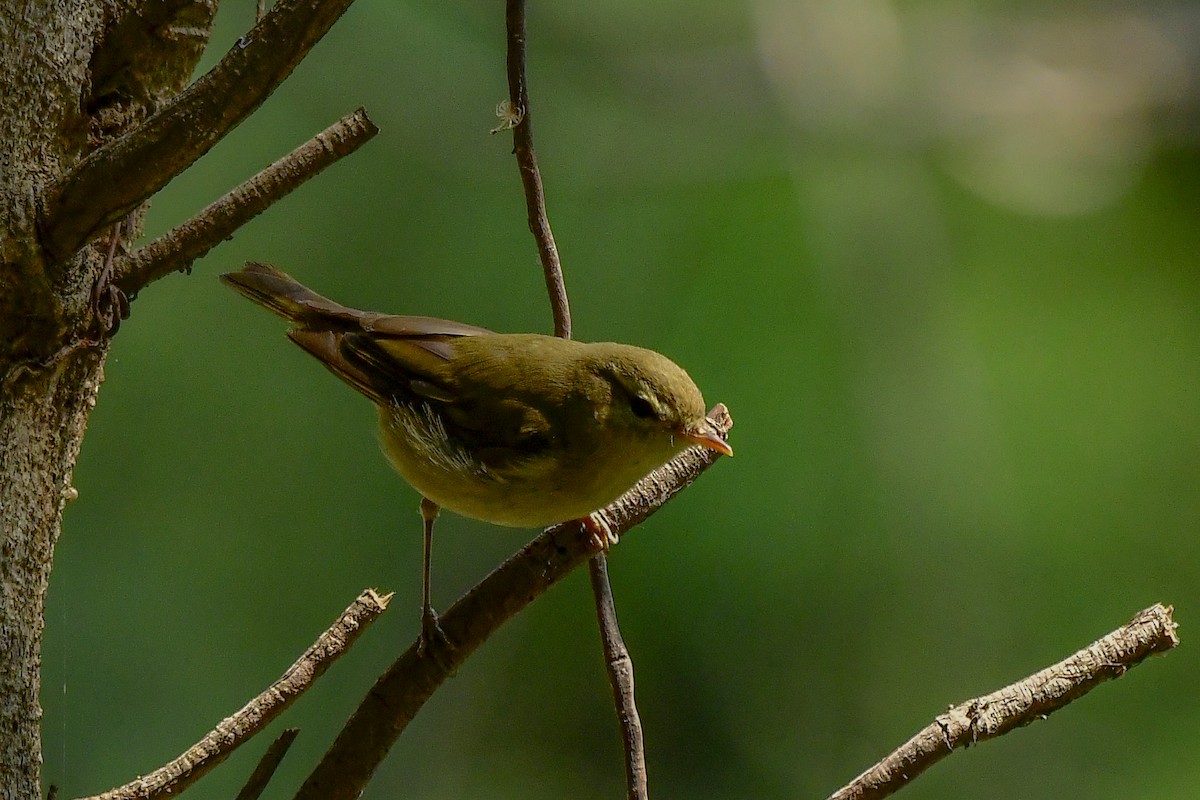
(430, 630)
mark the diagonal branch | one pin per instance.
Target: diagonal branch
(267, 765)
(117, 177)
(1152, 631)
(401, 691)
(232, 732)
(175, 250)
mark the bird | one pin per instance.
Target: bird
(516, 429)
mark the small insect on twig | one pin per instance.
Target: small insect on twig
(510, 116)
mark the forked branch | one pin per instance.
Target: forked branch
(120, 175)
(175, 250)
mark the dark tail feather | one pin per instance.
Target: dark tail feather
(287, 297)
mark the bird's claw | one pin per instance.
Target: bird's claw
(602, 535)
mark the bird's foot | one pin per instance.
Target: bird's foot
(432, 636)
(602, 534)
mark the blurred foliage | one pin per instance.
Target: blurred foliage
(942, 262)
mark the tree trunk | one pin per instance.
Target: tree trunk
(42, 418)
(72, 77)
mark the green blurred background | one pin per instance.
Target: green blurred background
(942, 262)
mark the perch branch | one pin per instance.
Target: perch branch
(219, 743)
(620, 674)
(1152, 631)
(175, 250)
(267, 765)
(115, 178)
(401, 691)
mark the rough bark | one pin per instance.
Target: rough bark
(41, 426)
(74, 75)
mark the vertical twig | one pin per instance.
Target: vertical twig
(617, 660)
(620, 677)
(616, 657)
(531, 178)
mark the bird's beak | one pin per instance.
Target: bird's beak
(706, 435)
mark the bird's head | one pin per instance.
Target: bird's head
(656, 402)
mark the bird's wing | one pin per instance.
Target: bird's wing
(402, 359)
(419, 327)
(403, 367)
(499, 428)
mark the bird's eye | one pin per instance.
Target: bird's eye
(641, 407)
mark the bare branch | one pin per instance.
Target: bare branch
(267, 765)
(218, 744)
(620, 677)
(117, 177)
(616, 656)
(531, 178)
(1152, 631)
(175, 250)
(401, 691)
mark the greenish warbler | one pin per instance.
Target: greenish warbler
(515, 429)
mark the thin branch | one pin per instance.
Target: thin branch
(620, 676)
(219, 743)
(401, 691)
(1152, 631)
(531, 178)
(616, 656)
(175, 250)
(120, 175)
(267, 765)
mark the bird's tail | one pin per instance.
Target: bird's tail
(274, 289)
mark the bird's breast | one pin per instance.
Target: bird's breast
(513, 486)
